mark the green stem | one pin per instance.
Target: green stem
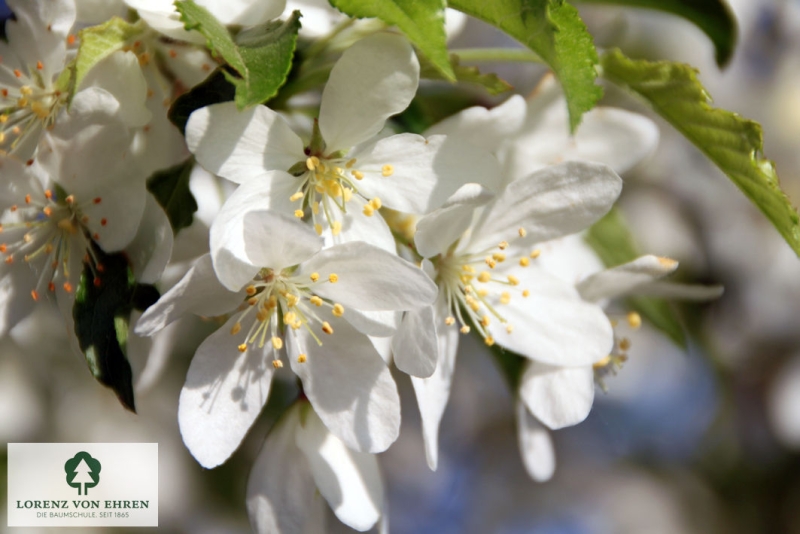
(497, 55)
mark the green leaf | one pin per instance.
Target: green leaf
(170, 187)
(421, 20)
(261, 56)
(713, 17)
(554, 30)
(734, 144)
(491, 81)
(103, 303)
(614, 244)
(99, 42)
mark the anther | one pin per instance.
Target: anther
(336, 227)
(509, 329)
(376, 203)
(526, 293)
(235, 329)
(489, 340)
(71, 39)
(503, 245)
(97, 200)
(513, 280)
(51, 287)
(358, 175)
(70, 199)
(28, 199)
(491, 262)
(18, 73)
(387, 170)
(242, 347)
(250, 290)
(499, 257)
(39, 65)
(333, 278)
(34, 295)
(505, 297)
(535, 253)
(48, 211)
(314, 276)
(3, 248)
(524, 261)
(318, 228)
(634, 320)
(484, 277)
(277, 364)
(485, 320)
(624, 344)
(277, 343)
(464, 329)
(450, 321)
(368, 210)
(312, 163)
(103, 221)
(316, 301)
(522, 232)
(327, 327)
(67, 287)
(97, 282)
(338, 310)
(297, 196)
(301, 358)
(299, 214)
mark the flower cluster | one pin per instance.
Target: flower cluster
(347, 245)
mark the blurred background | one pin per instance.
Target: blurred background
(697, 440)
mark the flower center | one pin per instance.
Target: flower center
(330, 183)
(475, 291)
(44, 232)
(284, 303)
(27, 107)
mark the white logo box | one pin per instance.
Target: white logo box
(109, 484)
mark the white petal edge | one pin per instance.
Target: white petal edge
(535, 446)
(558, 396)
(374, 79)
(415, 346)
(224, 392)
(350, 481)
(625, 278)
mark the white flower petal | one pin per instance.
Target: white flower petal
(244, 12)
(625, 278)
(15, 297)
(433, 392)
(150, 250)
(355, 226)
(535, 446)
(415, 346)
(373, 323)
(38, 32)
(370, 279)
(349, 386)
(114, 219)
(224, 392)
(199, 292)
(350, 481)
(277, 241)
(615, 137)
(374, 79)
(271, 191)
(241, 145)
(556, 201)
(426, 172)
(558, 396)
(486, 128)
(444, 226)
(121, 75)
(552, 325)
(282, 497)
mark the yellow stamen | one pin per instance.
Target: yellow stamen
(299, 214)
(277, 343)
(327, 327)
(314, 276)
(277, 364)
(316, 301)
(333, 278)
(513, 280)
(338, 310)
(387, 170)
(489, 340)
(484, 277)
(297, 196)
(235, 329)
(242, 347)
(450, 321)
(634, 320)
(524, 262)
(301, 358)
(535, 253)
(464, 329)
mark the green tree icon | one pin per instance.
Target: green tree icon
(84, 470)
